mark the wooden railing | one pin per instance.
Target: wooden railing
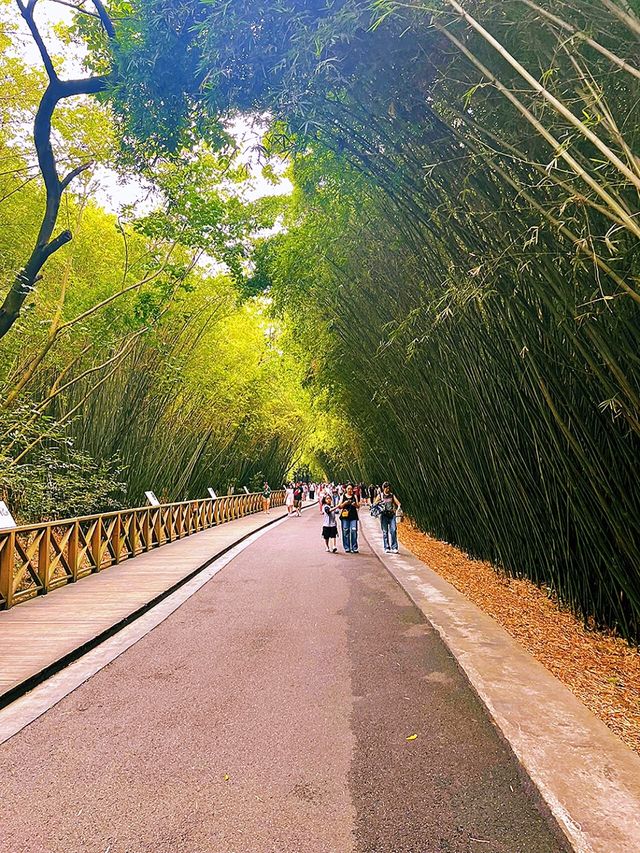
(37, 558)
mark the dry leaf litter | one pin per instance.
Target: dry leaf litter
(601, 669)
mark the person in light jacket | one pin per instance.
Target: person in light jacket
(388, 521)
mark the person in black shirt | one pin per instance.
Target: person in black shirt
(348, 509)
(297, 497)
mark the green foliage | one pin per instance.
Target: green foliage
(141, 361)
(56, 479)
(449, 299)
(455, 290)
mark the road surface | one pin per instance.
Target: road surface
(271, 714)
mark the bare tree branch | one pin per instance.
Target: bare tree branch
(76, 8)
(27, 14)
(56, 91)
(64, 183)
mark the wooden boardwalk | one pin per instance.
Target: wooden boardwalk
(42, 632)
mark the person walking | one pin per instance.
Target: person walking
(297, 498)
(288, 499)
(322, 492)
(388, 522)
(348, 508)
(329, 526)
(266, 497)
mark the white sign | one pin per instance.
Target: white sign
(6, 519)
(153, 500)
(246, 490)
(213, 494)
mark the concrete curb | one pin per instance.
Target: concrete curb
(587, 777)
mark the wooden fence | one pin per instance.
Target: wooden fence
(37, 558)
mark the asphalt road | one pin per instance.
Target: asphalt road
(270, 714)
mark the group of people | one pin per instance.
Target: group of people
(294, 496)
(343, 502)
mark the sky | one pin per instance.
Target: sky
(112, 191)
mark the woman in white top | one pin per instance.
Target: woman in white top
(288, 499)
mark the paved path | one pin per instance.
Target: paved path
(269, 714)
(35, 635)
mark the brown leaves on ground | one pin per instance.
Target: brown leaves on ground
(602, 670)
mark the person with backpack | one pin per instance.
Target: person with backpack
(388, 505)
(348, 509)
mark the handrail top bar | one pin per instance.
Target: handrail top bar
(25, 528)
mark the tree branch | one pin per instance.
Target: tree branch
(27, 14)
(64, 183)
(24, 282)
(57, 243)
(76, 8)
(105, 18)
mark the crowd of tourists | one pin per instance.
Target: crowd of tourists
(339, 506)
(343, 502)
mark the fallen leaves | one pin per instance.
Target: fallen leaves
(602, 670)
(411, 737)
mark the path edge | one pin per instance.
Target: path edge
(587, 778)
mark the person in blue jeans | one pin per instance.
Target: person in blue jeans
(388, 522)
(348, 510)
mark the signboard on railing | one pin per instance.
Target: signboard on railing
(153, 500)
(6, 519)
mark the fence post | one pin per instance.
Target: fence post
(146, 530)
(96, 545)
(116, 538)
(72, 550)
(7, 549)
(134, 536)
(44, 558)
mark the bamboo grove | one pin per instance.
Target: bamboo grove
(456, 272)
(480, 285)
